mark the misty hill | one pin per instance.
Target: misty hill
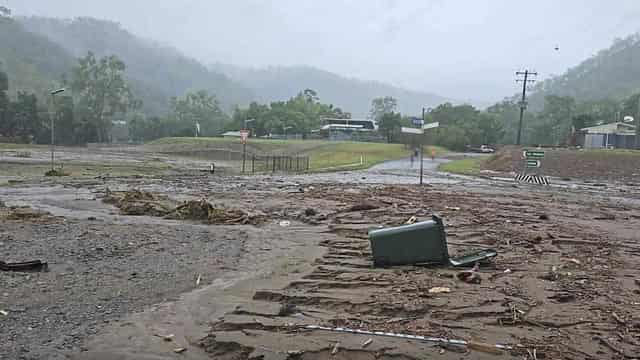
(157, 72)
(279, 83)
(611, 73)
(32, 62)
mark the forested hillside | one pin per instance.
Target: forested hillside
(155, 72)
(613, 73)
(32, 62)
(277, 83)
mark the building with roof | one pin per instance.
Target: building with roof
(614, 135)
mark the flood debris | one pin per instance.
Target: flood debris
(204, 211)
(138, 203)
(24, 213)
(563, 297)
(167, 338)
(473, 345)
(439, 290)
(56, 172)
(179, 350)
(287, 309)
(142, 203)
(363, 206)
(367, 342)
(471, 276)
(336, 348)
(411, 220)
(35, 265)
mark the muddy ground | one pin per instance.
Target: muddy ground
(619, 166)
(566, 282)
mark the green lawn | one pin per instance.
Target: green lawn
(359, 155)
(468, 166)
(323, 155)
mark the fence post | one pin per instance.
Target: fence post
(290, 162)
(297, 163)
(253, 163)
(307, 164)
(274, 164)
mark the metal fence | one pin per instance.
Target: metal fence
(276, 163)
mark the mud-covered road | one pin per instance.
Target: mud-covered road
(566, 282)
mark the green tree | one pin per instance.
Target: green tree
(198, 108)
(507, 114)
(300, 114)
(102, 92)
(25, 117)
(381, 106)
(4, 100)
(389, 124)
(66, 131)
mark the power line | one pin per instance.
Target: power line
(523, 102)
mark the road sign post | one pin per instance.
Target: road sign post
(420, 132)
(534, 154)
(533, 163)
(244, 134)
(532, 159)
(408, 130)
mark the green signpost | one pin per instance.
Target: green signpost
(533, 154)
(533, 163)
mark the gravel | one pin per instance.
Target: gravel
(97, 273)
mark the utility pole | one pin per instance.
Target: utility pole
(523, 102)
(637, 141)
(421, 149)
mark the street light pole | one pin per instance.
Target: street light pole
(51, 116)
(244, 144)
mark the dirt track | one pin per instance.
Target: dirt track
(565, 284)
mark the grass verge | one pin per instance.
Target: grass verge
(468, 166)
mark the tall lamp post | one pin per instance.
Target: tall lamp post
(244, 144)
(53, 96)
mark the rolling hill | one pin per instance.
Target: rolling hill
(611, 73)
(354, 95)
(32, 62)
(37, 51)
(157, 72)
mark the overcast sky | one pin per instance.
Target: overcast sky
(464, 49)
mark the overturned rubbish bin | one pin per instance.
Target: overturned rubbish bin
(423, 242)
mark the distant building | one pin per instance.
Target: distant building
(347, 129)
(615, 135)
(362, 125)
